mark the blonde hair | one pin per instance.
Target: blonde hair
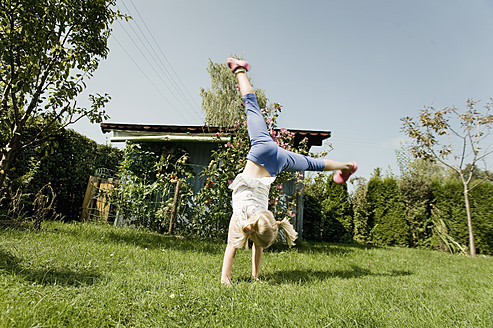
(262, 229)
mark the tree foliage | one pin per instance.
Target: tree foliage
(457, 140)
(221, 103)
(48, 49)
(386, 211)
(68, 167)
(362, 230)
(415, 182)
(422, 207)
(328, 214)
(448, 197)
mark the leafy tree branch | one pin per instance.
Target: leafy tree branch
(48, 49)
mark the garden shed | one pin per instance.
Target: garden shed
(199, 142)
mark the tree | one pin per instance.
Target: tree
(48, 49)
(448, 197)
(221, 103)
(455, 140)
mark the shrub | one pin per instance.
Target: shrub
(66, 164)
(148, 178)
(386, 212)
(327, 212)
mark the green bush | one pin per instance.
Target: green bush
(417, 194)
(327, 214)
(312, 218)
(387, 217)
(362, 230)
(66, 163)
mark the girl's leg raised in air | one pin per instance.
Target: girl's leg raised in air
(297, 162)
(244, 83)
(257, 128)
(264, 150)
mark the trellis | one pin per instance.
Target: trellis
(96, 205)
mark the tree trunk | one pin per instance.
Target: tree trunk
(472, 247)
(8, 155)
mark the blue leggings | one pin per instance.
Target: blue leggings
(266, 152)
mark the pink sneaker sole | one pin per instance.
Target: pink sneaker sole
(234, 63)
(341, 177)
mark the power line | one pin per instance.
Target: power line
(152, 67)
(189, 107)
(164, 56)
(150, 81)
(162, 53)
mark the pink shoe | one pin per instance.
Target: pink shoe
(343, 176)
(234, 63)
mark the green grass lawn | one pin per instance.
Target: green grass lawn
(89, 275)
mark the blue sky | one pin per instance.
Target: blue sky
(352, 67)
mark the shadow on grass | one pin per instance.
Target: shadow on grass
(11, 264)
(143, 239)
(310, 276)
(154, 241)
(311, 247)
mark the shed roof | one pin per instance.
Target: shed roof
(154, 132)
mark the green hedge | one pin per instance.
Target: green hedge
(327, 212)
(398, 211)
(387, 212)
(449, 199)
(66, 163)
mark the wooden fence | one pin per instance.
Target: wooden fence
(96, 205)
